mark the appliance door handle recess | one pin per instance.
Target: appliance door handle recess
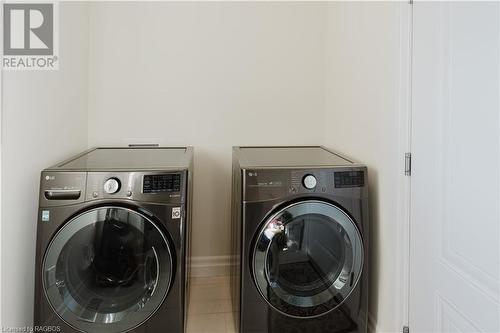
(62, 194)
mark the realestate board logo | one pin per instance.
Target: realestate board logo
(30, 36)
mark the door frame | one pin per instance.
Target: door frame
(404, 105)
(1, 150)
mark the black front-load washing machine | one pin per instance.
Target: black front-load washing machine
(112, 241)
(300, 236)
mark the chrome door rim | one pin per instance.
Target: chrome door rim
(121, 314)
(260, 274)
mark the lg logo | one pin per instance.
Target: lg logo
(28, 29)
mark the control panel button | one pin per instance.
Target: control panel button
(111, 186)
(309, 181)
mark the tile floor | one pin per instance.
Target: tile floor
(209, 309)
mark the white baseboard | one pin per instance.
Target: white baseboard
(207, 266)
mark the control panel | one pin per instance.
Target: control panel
(165, 187)
(267, 184)
(69, 188)
(161, 183)
(349, 179)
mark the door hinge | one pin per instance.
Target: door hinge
(406, 329)
(407, 164)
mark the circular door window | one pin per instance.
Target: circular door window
(307, 258)
(107, 270)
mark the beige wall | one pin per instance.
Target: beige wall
(44, 119)
(211, 75)
(361, 120)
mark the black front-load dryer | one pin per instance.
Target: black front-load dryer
(300, 231)
(112, 242)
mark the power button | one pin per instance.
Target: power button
(309, 182)
(112, 185)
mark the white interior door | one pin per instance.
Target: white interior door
(454, 247)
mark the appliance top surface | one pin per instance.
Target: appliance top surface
(151, 158)
(289, 157)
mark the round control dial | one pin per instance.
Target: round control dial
(309, 182)
(111, 186)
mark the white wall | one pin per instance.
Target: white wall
(44, 119)
(211, 75)
(361, 120)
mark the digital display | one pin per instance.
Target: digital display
(161, 183)
(349, 179)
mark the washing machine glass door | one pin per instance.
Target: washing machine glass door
(107, 270)
(307, 258)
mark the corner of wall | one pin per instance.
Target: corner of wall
(324, 65)
(89, 65)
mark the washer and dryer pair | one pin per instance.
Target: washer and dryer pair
(112, 241)
(300, 235)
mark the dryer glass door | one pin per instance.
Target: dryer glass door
(307, 258)
(107, 270)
